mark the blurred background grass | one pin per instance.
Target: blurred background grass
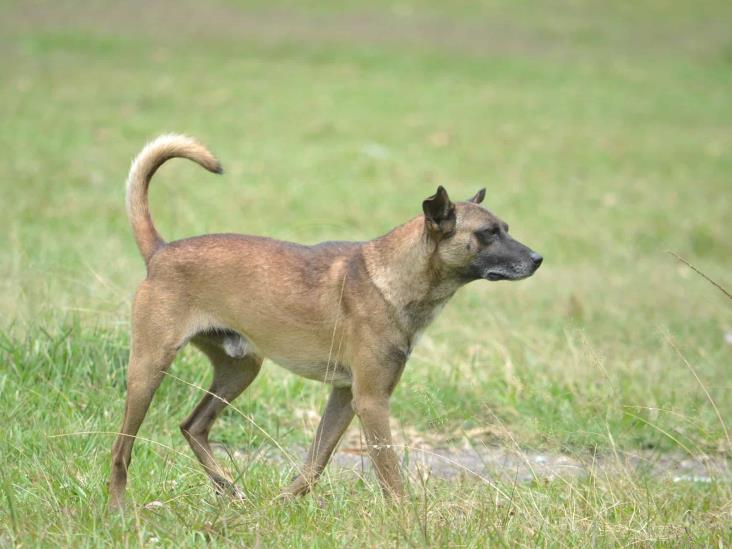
(602, 131)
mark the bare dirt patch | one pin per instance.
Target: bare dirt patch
(468, 456)
(486, 463)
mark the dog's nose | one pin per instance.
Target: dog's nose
(536, 258)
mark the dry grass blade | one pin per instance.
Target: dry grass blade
(700, 273)
(704, 388)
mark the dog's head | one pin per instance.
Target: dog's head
(472, 243)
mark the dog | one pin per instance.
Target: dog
(347, 314)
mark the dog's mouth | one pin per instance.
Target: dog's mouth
(494, 276)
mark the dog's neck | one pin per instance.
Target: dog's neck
(401, 265)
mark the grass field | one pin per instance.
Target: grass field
(603, 133)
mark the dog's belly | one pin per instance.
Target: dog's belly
(335, 374)
(313, 367)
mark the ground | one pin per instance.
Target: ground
(603, 134)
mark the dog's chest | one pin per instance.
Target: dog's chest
(416, 317)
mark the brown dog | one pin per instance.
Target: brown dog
(343, 313)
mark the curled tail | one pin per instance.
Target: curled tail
(144, 166)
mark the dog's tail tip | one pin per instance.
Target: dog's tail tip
(152, 156)
(170, 145)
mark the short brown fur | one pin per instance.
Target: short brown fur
(343, 313)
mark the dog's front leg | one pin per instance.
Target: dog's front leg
(372, 389)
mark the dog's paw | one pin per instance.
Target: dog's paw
(226, 488)
(298, 487)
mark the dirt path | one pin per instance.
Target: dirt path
(487, 462)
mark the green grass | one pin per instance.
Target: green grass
(602, 132)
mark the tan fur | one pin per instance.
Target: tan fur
(143, 168)
(343, 313)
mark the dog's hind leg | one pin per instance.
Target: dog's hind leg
(156, 338)
(336, 418)
(143, 378)
(232, 375)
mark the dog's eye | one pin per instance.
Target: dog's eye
(486, 236)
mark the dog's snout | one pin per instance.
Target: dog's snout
(536, 258)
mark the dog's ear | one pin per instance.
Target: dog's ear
(478, 198)
(439, 213)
